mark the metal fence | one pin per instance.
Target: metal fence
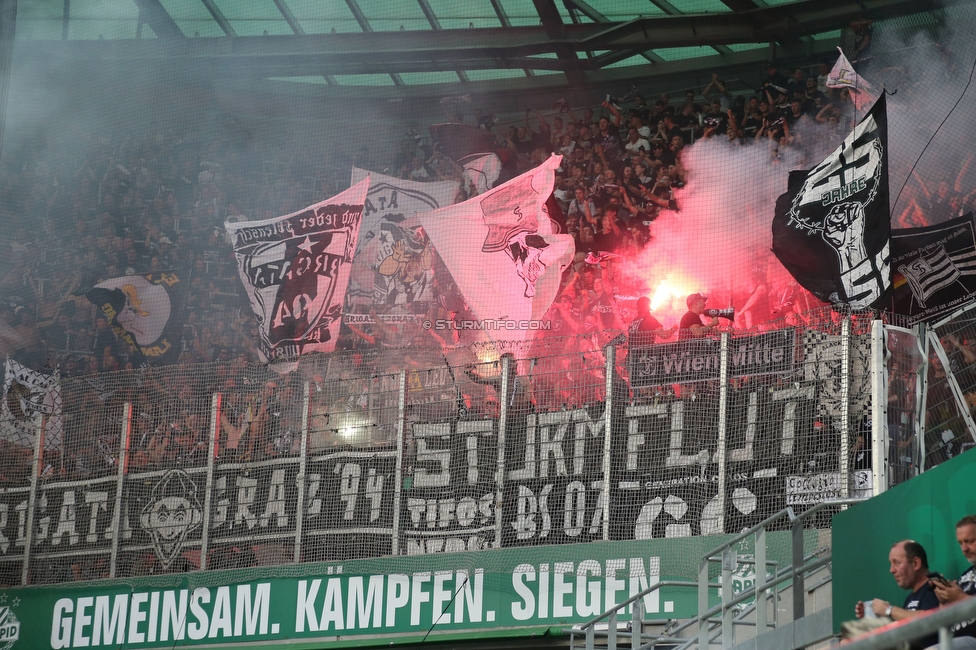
(418, 451)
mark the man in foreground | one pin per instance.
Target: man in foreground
(964, 633)
(691, 325)
(909, 567)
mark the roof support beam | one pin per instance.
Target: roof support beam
(768, 24)
(364, 25)
(218, 16)
(671, 10)
(500, 12)
(429, 14)
(574, 15)
(158, 19)
(583, 7)
(8, 26)
(503, 19)
(513, 95)
(289, 17)
(551, 20)
(436, 24)
(740, 5)
(296, 27)
(553, 24)
(358, 14)
(446, 50)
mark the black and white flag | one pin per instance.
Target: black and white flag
(145, 312)
(394, 262)
(832, 228)
(933, 268)
(295, 270)
(28, 394)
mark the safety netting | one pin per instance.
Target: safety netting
(413, 451)
(434, 428)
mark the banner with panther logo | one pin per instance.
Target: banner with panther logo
(832, 228)
(295, 270)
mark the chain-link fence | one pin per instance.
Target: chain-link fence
(951, 388)
(418, 451)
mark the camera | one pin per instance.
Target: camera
(728, 312)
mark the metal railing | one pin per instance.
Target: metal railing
(937, 620)
(795, 573)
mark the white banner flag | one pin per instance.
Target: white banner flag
(502, 252)
(394, 260)
(842, 75)
(27, 395)
(295, 270)
(482, 172)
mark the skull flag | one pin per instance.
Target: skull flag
(295, 270)
(501, 249)
(832, 229)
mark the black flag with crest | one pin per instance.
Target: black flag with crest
(146, 312)
(933, 268)
(832, 229)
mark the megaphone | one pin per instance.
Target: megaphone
(728, 312)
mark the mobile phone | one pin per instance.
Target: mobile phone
(934, 575)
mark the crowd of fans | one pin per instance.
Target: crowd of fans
(125, 205)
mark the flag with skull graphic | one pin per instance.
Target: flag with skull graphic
(832, 228)
(501, 249)
(295, 270)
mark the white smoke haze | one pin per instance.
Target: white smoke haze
(719, 243)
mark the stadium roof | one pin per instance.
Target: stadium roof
(426, 47)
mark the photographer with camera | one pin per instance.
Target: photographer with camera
(691, 325)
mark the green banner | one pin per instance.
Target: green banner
(365, 602)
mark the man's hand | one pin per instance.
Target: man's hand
(948, 592)
(859, 609)
(399, 248)
(880, 607)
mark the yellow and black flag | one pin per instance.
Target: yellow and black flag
(145, 312)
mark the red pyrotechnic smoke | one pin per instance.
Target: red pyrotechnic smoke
(719, 242)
